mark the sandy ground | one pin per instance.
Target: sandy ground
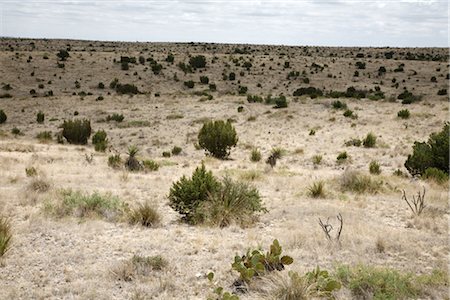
(74, 258)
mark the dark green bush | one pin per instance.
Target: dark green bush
(176, 150)
(126, 88)
(204, 79)
(197, 62)
(115, 117)
(281, 102)
(404, 114)
(442, 92)
(374, 168)
(408, 97)
(76, 131)
(310, 91)
(433, 154)
(99, 141)
(254, 99)
(3, 116)
(187, 194)
(242, 90)
(370, 140)
(436, 175)
(189, 84)
(63, 55)
(217, 137)
(339, 105)
(232, 76)
(40, 117)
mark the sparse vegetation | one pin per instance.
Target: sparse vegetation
(5, 235)
(355, 181)
(145, 214)
(317, 189)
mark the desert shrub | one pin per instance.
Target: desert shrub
(442, 92)
(31, 172)
(370, 140)
(254, 99)
(189, 84)
(310, 91)
(40, 117)
(217, 137)
(317, 189)
(281, 102)
(232, 76)
(176, 150)
(353, 142)
(377, 283)
(145, 214)
(101, 85)
(115, 161)
(3, 116)
(342, 157)
(360, 65)
(127, 88)
(5, 235)
(317, 159)
(433, 154)
(358, 182)
(150, 165)
(212, 87)
(255, 155)
(256, 263)
(436, 175)
(124, 66)
(39, 185)
(407, 97)
(139, 266)
(339, 105)
(170, 58)
(16, 131)
(114, 83)
(374, 168)
(166, 154)
(78, 204)
(44, 136)
(132, 164)
(404, 114)
(156, 68)
(187, 194)
(99, 141)
(232, 203)
(240, 109)
(77, 131)
(63, 55)
(242, 90)
(115, 117)
(204, 79)
(349, 114)
(185, 68)
(197, 62)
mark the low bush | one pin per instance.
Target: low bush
(76, 131)
(40, 117)
(255, 155)
(5, 235)
(370, 140)
(309, 91)
(404, 114)
(353, 142)
(127, 88)
(132, 163)
(100, 141)
(189, 84)
(339, 105)
(436, 175)
(317, 189)
(44, 136)
(3, 116)
(407, 97)
(115, 117)
(197, 62)
(254, 99)
(150, 165)
(217, 137)
(204, 79)
(342, 157)
(176, 150)
(145, 214)
(374, 168)
(139, 266)
(115, 161)
(354, 181)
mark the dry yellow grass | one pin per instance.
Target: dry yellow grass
(69, 258)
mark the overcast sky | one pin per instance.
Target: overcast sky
(411, 23)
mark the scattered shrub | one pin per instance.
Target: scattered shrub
(339, 105)
(115, 161)
(115, 117)
(44, 136)
(77, 131)
(40, 117)
(99, 141)
(353, 142)
(187, 194)
(255, 156)
(281, 102)
(31, 172)
(132, 164)
(5, 235)
(370, 140)
(176, 150)
(317, 190)
(358, 182)
(317, 159)
(16, 131)
(254, 99)
(204, 79)
(407, 97)
(189, 84)
(442, 92)
(129, 89)
(217, 137)
(145, 214)
(3, 116)
(197, 62)
(139, 266)
(150, 165)
(232, 76)
(404, 114)
(63, 55)
(436, 175)
(374, 168)
(166, 154)
(433, 154)
(310, 91)
(342, 157)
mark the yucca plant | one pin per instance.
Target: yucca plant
(132, 163)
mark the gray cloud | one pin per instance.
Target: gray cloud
(311, 22)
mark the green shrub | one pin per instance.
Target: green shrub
(63, 55)
(404, 114)
(242, 90)
(76, 131)
(433, 154)
(176, 150)
(374, 168)
(407, 97)
(189, 84)
(342, 157)
(115, 161)
(166, 154)
(317, 190)
(339, 105)
(101, 85)
(31, 172)
(170, 58)
(3, 116)
(232, 76)
(115, 117)
(150, 165)
(217, 137)
(129, 89)
(377, 283)
(317, 159)
(254, 99)
(310, 91)
(233, 203)
(255, 156)
(16, 131)
(145, 214)
(436, 175)
(442, 92)
(370, 140)
(5, 235)
(281, 102)
(353, 142)
(349, 114)
(197, 62)
(204, 79)
(358, 182)
(40, 117)
(187, 194)
(44, 136)
(99, 141)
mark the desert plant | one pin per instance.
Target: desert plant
(309, 91)
(145, 214)
(76, 131)
(317, 189)
(189, 84)
(114, 161)
(166, 154)
(197, 62)
(100, 141)
(339, 105)
(63, 55)
(353, 142)
(321, 283)
(417, 205)
(150, 165)
(3, 116)
(127, 88)
(342, 157)
(233, 202)
(431, 154)
(255, 155)
(204, 79)
(404, 114)
(39, 185)
(317, 159)
(115, 117)
(281, 102)
(374, 168)
(132, 164)
(40, 117)
(352, 180)
(435, 175)
(5, 235)
(327, 228)
(31, 172)
(187, 194)
(370, 140)
(217, 137)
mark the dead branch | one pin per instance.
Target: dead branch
(327, 228)
(417, 205)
